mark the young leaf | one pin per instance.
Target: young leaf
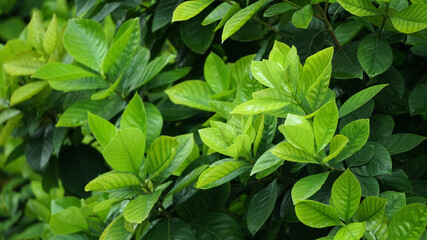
(359, 8)
(352, 231)
(290, 153)
(160, 154)
(125, 151)
(192, 93)
(308, 186)
(359, 99)
(371, 211)
(375, 55)
(337, 144)
(409, 222)
(357, 133)
(26, 92)
(298, 132)
(61, 72)
(134, 115)
(116, 230)
(268, 73)
(317, 215)
(302, 17)
(324, 125)
(139, 208)
(87, 83)
(220, 173)
(265, 161)
(346, 194)
(261, 206)
(411, 19)
(257, 106)
(102, 129)
(233, 10)
(36, 30)
(68, 221)
(240, 18)
(23, 63)
(104, 93)
(216, 73)
(85, 40)
(189, 9)
(50, 38)
(112, 180)
(279, 52)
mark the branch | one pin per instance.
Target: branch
(328, 26)
(271, 28)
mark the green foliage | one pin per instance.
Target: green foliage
(205, 119)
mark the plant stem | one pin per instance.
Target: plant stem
(328, 26)
(271, 28)
(299, 7)
(384, 19)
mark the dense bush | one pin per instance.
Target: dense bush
(206, 119)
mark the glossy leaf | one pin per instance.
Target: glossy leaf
(416, 102)
(288, 152)
(189, 9)
(261, 206)
(353, 231)
(139, 208)
(217, 14)
(278, 8)
(401, 142)
(85, 40)
(23, 63)
(69, 220)
(265, 161)
(375, 55)
(88, 83)
(36, 30)
(51, 36)
(219, 173)
(308, 186)
(409, 222)
(299, 132)
(395, 201)
(337, 144)
(160, 154)
(233, 10)
(357, 133)
(134, 115)
(256, 106)
(102, 129)
(346, 194)
(187, 180)
(192, 93)
(116, 230)
(216, 226)
(112, 180)
(239, 19)
(61, 72)
(317, 215)
(359, 99)
(411, 19)
(125, 151)
(216, 73)
(324, 125)
(359, 8)
(26, 92)
(371, 211)
(171, 229)
(302, 17)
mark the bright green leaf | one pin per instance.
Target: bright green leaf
(160, 154)
(371, 211)
(352, 231)
(139, 208)
(346, 194)
(324, 125)
(189, 9)
(102, 129)
(337, 144)
(220, 172)
(23, 63)
(112, 180)
(288, 152)
(50, 38)
(359, 99)
(134, 115)
(27, 91)
(217, 14)
(216, 73)
(299, 132)
(411, 19)
(308, 186)
(61, 72)
(409, 222)
(192, 93)
(359, 8)
(257, 106)
(302, 17)
(317, 215)
(357, 133)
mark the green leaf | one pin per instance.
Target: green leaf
(85, 40)
(375, 55)
(293, 71)
(189, 9)
(163, 13)
(107, 91)
(302, 17)
(233, 10)
(278, 8)
(401, 142)
(268, 73)
(154, 123)
(308, 186)
(116, 230)
(89, 83)
(290, 153)
(220, 173)
(26, 92)
(196, 36)
(324, 125)
(8, 114)
(298, 132)
(379, 164)
(36, 30)
(217, 14)
(61, 72)
(256, 106)
(347, 31)
(266, 161)
(370, 186)
(357, 133)
(346, 194)
(352, 231)
(260, 207)
(187, 180)
(317, 215)
(68, 221)
(359, 8)
(416, 102)
(139, 208)
(160, 154)
(51, 36)
(395, 201)
(216, 73)
(216, 225)
(359, 99)
(279, 52)
(411, 19)
(409, 222)
(134, 115)
(345, 64)
(191, 93)
(112, 180)
(240, 18)
(151, 70)
(125, 151)
(316, 74)
(371, 211)
(38, 149)
(171, 229)
(23, 63)
(338, 143)
(102, 129)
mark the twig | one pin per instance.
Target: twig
(271, 28)
(384, 19)
(329, 27)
